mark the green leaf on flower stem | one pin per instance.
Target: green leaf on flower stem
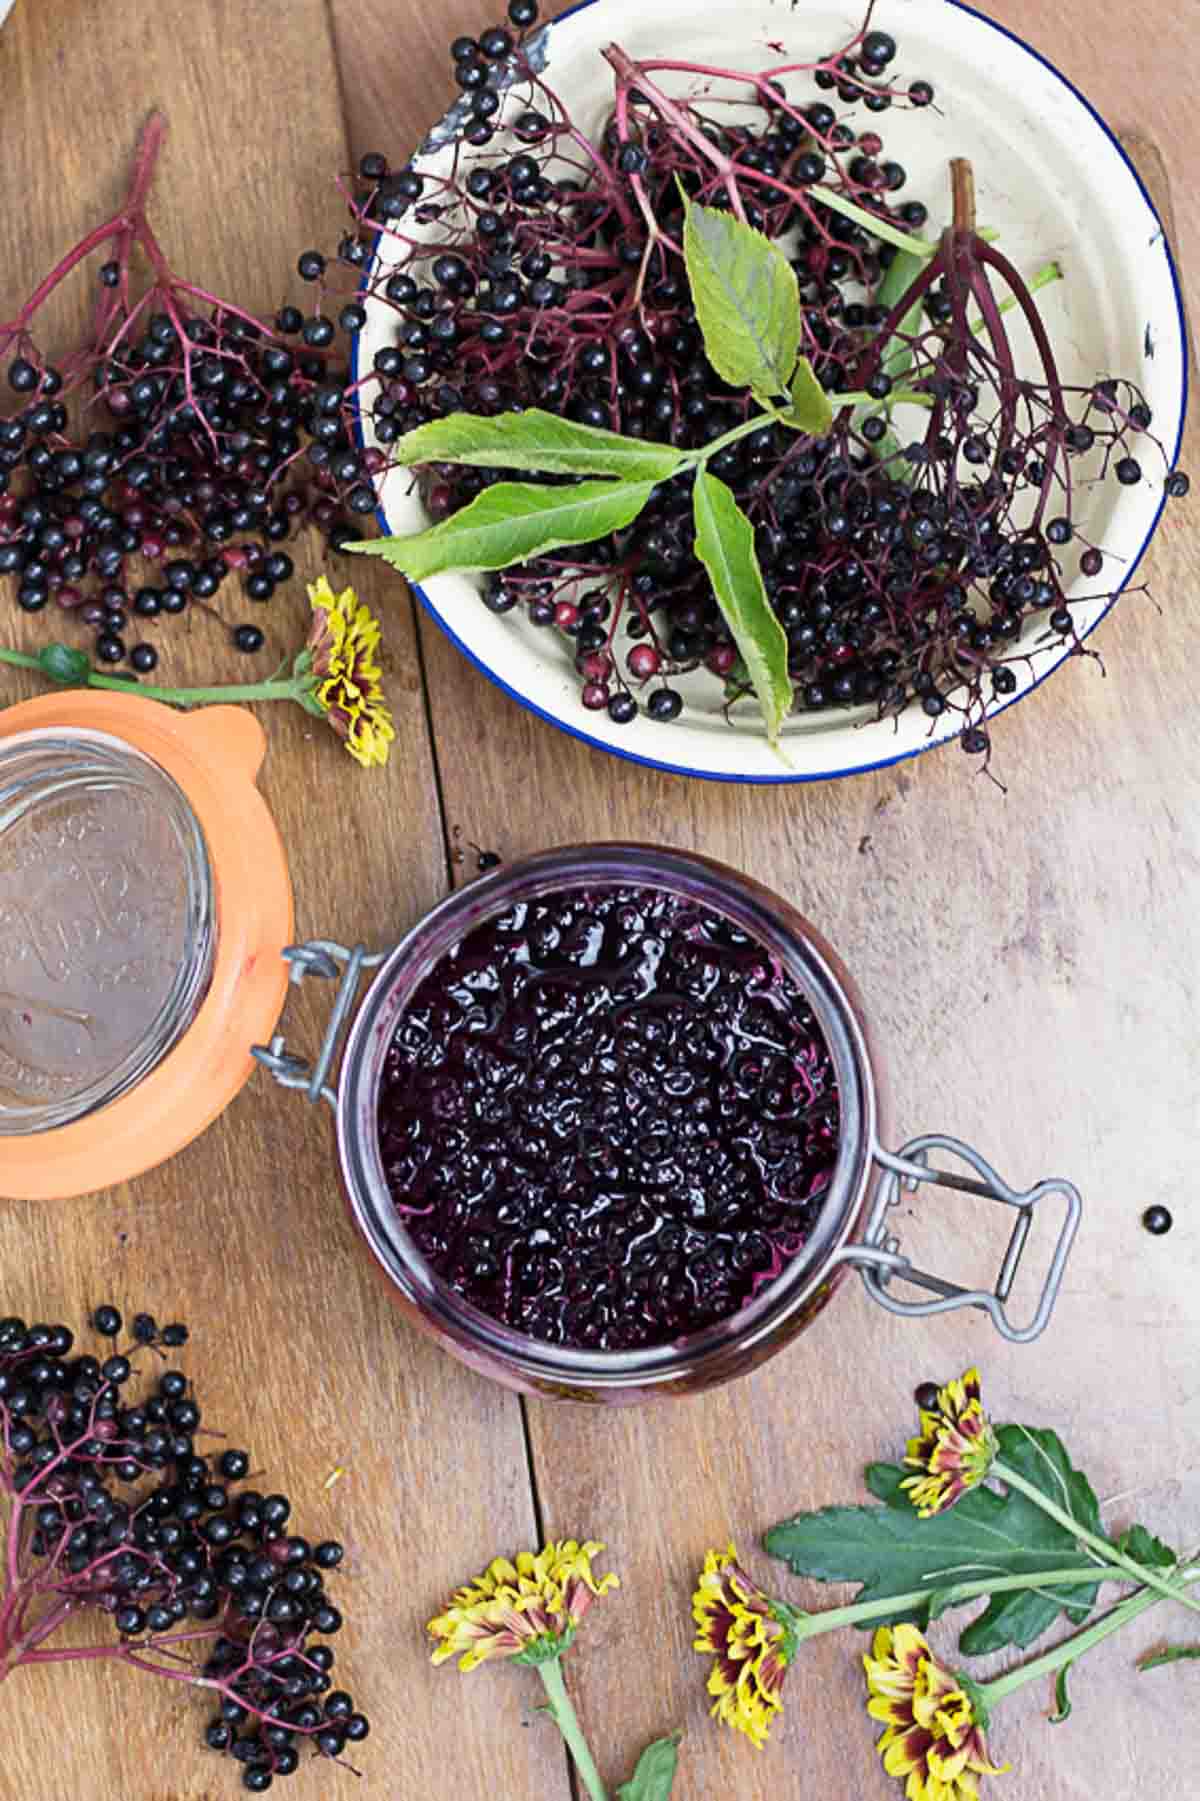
(811, 410)
(655, 1772)
(1062, 1699)
(725, 545)
(539, 441)
(512, 522)
(1171, 1654)
(890, 1550)
(747, 300)
(1145, 1548)
(63, 664)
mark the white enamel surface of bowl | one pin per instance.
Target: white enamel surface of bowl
(1051, 179)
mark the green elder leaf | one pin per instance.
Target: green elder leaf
(536, 440)
(655, 1773)
(890, 1550)
(811, 410)
(512, 522)
(725, 545)
(747, 300)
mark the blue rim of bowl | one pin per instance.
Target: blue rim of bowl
(904, 756)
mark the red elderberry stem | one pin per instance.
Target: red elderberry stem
(122, 224)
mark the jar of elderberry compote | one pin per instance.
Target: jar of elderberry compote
(609, 1122)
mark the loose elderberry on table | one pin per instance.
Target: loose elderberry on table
(116, 1511)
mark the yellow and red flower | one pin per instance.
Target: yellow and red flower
(750, 1641)
(956, 1447)
(934, 1743)
(528, 1609)
(343, 642)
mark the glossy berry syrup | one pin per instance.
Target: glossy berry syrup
(608, 1118)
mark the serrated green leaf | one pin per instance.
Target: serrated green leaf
(1172, 1654)
(811, 410)
(512, 522)
(655, 1773)
(747, 300)
(1145, 1548)
(890, 1550)
(62, 663)
(536, 440)
(725, 545)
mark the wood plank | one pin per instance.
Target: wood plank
(1033, 991)
(296, 1348)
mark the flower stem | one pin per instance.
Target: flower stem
(287, 689)
(1137, 1572)
(1071, 1648)
(567, 1720)
(812, 1625)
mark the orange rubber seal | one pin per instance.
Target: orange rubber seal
(214, 755)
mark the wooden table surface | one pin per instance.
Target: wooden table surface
(1035, 992)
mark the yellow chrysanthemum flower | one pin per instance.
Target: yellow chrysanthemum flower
(342, 644)
(956, 1448)
(933, 1741)
(528, 1609)
(750, 1643)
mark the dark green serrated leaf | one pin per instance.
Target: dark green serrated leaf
(655, 1773)
(512, 522)
(747, 300)
(725, 545)
(1172, 1654)
(889, 1550)
(1142, 1545)
(64, 664)
(811, 410)
(539, 441)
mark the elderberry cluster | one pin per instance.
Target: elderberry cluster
(179, 445)
(903, 564)
(114, 1509)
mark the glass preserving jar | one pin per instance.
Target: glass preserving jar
(852, 1230)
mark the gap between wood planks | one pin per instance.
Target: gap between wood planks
(451, 867)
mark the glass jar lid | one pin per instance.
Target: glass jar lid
(107, 923)
(139, 859)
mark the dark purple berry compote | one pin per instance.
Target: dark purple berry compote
(608, 1117)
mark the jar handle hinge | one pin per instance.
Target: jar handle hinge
(319, 957)
(879, 1258)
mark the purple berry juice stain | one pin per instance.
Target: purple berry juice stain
(608, 1118)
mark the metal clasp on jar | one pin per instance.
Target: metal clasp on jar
(319, 957)
(881, 1261)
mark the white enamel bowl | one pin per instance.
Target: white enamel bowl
(1052, 180)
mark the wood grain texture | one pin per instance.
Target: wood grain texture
(1031, 964)
(296, 1349)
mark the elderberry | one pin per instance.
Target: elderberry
(699, 1096)
(131, 1522)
